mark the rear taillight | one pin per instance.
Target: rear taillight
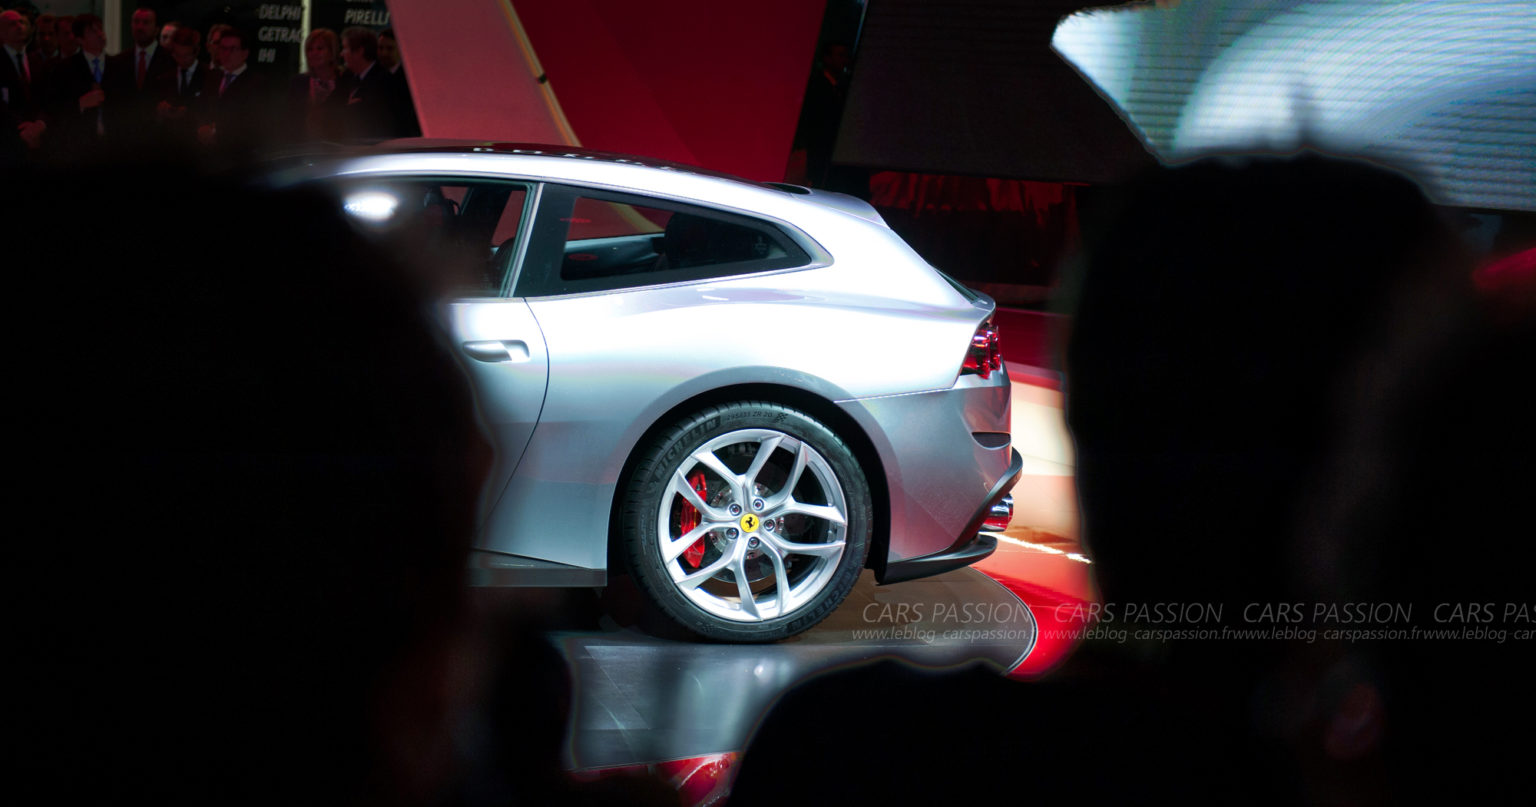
(984, 355)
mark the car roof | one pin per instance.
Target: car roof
(424, 145)
(458, 146)
(574, 164)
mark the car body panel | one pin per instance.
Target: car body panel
(931, 455)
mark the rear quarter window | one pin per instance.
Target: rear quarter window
(587, 241)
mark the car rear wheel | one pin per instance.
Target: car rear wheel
(747, 522)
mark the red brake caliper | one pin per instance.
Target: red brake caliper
(690, 518)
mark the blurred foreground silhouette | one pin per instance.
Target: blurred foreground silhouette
(1241, 330)
(248, 470)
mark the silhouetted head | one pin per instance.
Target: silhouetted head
(251, 471)
(144, 26)
(835, 57)
(232, 50)
(388, 49)
(216, 33)
(322, 51)
(359, 49)
(183, 46)
(1218, 312)
(1233, 322)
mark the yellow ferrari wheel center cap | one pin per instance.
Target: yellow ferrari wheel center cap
(749, 523)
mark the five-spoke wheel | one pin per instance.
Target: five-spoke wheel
(748, 522)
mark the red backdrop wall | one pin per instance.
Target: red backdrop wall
(704, 82)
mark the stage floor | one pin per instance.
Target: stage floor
(640, 698)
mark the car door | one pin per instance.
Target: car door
(504, 354)
(467, 235)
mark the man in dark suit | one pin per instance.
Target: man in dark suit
(368, 89)
(79, 109)
(237, 101)
(22, 79)
(139, 73)
(406, 122)
(180, 91)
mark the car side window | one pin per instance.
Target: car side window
(462, 233)
(596, 241)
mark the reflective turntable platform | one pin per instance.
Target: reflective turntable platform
(642, 697)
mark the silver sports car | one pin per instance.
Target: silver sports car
(743, 394)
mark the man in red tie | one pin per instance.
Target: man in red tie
(140, 71)
(238, 99)
(20, 80)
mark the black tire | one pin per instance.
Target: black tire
(797, 554)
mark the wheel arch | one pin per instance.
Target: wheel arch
(818, 407)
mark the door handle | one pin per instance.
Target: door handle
(506, 350)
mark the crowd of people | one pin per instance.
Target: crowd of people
(65, 96)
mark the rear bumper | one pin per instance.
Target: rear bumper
(972, 544)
